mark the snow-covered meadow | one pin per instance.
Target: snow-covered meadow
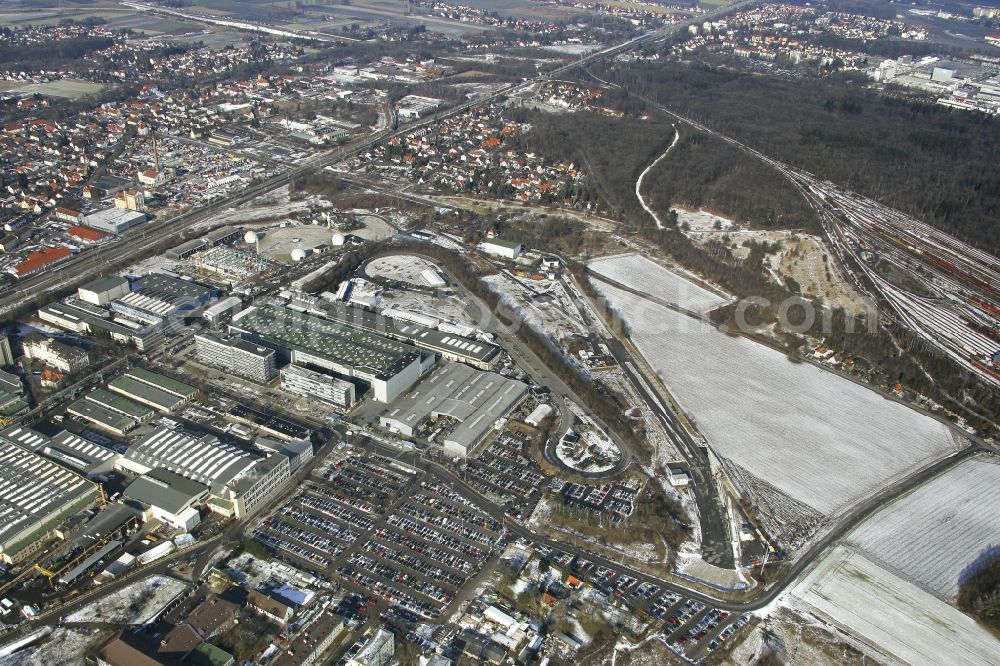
(819, 439)
(933, 534)
(641, 274)
(897, 617)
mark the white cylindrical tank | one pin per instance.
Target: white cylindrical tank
(250, 237)
(339, 239)
(298, 254)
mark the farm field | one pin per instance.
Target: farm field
(637, 272)
(882, 609)
(64, 88)
(931, 535)
(820, 440)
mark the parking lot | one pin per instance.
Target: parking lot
(506, 472)
(385, 531)
(689, 628)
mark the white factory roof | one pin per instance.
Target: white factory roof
(32, 488)
(205, 460)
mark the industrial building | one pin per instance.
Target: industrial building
(103, 290)
(101, 416)
(114, 220)
(80, 317)
(171, 386)
(149, 395)
(502, 248)
(36, 494)
(237, 481)
(451, 346)
(78, 453)
(120, 405)
(236, 355)
(211, 239)
(220, 312)
(465, 402)
(170, 497)
(317, 385)
(388, 366)
(203, 459)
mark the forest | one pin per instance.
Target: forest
(980, 594)
(700, 172)
(934, 163)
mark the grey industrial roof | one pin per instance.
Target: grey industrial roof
(162, 382)
(10, 382)
(117, 403)
(92, 411)
(34, 490)
(144, 392)
(168, 287)
(421, 336)
(339, 343)
(103, 284)
(189, 246)
(75, 451)
(237, 343)
(165, 490)
(220, 233)
(474, 398)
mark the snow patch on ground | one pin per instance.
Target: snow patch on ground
(137, 603)
(402, 267)
(544, 305)
(64, 647)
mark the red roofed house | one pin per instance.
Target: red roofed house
(39, 259)
(86, 234)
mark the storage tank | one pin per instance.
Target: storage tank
(339, 239)
(250, 237)
(298, 254)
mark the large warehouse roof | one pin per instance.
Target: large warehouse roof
(345, 345)
(205, 460)
(34, 492)
(165, 490)
(117, 403)
(162, 382)
(75, 451)
(144, 393)
(422, 336)
(474, 398)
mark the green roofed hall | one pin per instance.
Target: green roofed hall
(162, 382)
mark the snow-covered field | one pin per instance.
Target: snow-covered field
(820, 439)
(137, 603)
(637, 272)
(897, 617)
(934, 533)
